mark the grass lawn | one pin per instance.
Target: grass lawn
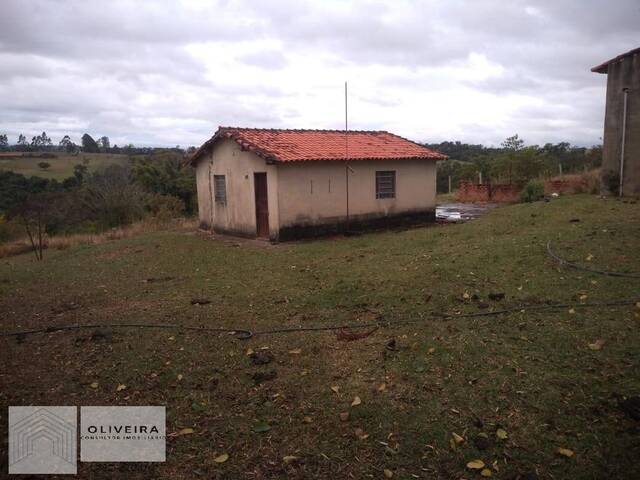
(531, 374)
(62, 165)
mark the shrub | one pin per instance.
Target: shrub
(164, 207)
(611, 181)
(44, 165)
(111, 199)
(532, 192)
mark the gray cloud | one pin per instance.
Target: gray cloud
(168, 73)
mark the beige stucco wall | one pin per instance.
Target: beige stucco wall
(203, 186)
(238, 216)
(315, 192)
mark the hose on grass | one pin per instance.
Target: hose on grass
(563, 261)
(244, 334)
(239, 333)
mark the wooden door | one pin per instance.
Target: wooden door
(262, 204)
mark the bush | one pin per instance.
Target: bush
(164, 207)
(44, 165)
(532, 192)
(611, 181)
(111, 199)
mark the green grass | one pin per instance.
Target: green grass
(62, 165)
(530, 373)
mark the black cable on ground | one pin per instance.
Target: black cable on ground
(239, 333)
(243, 334)
(562, 261)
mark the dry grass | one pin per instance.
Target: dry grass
(63, 242)
(587, 182)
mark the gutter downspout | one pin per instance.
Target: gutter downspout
(346, 150)
(624, 131)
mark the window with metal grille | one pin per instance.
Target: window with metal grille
(386, 184)
(220, 189)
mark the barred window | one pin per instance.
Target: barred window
(386, 184)
(220, 189)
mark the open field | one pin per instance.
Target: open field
(61, 166)
(548, 378)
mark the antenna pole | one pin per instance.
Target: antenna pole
(346, 148)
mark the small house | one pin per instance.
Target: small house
(286, 184)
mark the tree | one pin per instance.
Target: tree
(89, 145)
(66, 144)
(4, 142)
(21, 145)
(513, 143)
(35, 214)
(112, 198)
(41, 141)
(104, 143)
(165, 173)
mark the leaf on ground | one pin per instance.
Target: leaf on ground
(335, 389)
(307, 419)
(289, 459)
(382, 387)
(249, 352)
(356, 401)
(360, 434)
(565, 452)
(180, 377)
(457, 438)
(466, 296)
(486, 472)
(295, 351)
(572, 311)
(388, 473)
(475, 464)
(501, 433)
(184, 431)
(589, 258)
(121, 387)
(597, 345)
(221, 458)
(94, 385)
(431, 350)
(344, 416)
(261, 427)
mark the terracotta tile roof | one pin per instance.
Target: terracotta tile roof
(604, 67)
(299, 145)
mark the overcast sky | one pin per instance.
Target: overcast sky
(170, 72)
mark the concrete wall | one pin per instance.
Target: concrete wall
(625, 73)
(205, 198)
(238, 215)
(312, 193)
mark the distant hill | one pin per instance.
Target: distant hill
(60, 164)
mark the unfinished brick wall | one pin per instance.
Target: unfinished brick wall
(569, 185)
(504, 193)
(473, 192)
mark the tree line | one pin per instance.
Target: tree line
(160, 186)
(43, 143)
(512, 162)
